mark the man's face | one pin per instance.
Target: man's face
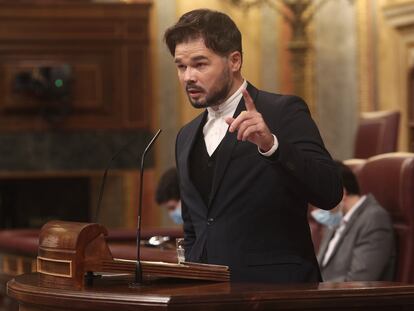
(206, 76)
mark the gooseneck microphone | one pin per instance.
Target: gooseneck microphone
(138, 267)
(108, 166)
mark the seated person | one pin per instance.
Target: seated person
(358, 241)
(167, 195)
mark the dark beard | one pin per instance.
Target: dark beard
(217, 97)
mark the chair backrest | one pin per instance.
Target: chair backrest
(377, 133)
(390, 178)
(355, 165)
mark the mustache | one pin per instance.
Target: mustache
(193, 87)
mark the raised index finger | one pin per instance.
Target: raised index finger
(248, 101)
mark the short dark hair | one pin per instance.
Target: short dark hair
(168, 187)
(219, 32)
(349, 179)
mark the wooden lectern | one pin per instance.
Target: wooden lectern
(70, 250)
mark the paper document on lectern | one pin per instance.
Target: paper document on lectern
(186, 270)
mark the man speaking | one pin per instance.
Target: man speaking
(248, 165)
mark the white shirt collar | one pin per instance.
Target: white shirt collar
(229, 106)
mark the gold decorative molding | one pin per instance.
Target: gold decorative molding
(365, 63)
(400, 15)
(298, 14)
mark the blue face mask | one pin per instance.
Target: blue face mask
(175, 215)
(326, 218)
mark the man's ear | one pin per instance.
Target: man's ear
(235, 59)
(345, 193)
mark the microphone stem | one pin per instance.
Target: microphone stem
(102, 187)
(138, 267)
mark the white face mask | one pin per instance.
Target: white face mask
(175, 214)
(327, 218)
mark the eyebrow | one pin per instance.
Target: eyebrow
(194, 59)
(200, 57)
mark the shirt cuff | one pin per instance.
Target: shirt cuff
(272, 150)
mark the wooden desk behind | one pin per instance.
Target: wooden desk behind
(114, 293)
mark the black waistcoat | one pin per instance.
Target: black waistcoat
(202, 166)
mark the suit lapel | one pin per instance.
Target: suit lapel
(185, 156)
(227, 146)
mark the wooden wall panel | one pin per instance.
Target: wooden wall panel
(106, 47)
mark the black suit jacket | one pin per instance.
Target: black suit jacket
(256, 218)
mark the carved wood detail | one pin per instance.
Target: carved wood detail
(106, 47)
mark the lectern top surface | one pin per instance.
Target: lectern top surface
(109, 292)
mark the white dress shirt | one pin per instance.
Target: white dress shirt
(216, 127)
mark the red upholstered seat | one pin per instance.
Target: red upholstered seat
(19, 242)
(377, 133)
(390, 178)
(355, 165)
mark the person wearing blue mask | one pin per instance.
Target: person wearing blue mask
(358, 241)
(331, 219)
(167, 195)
